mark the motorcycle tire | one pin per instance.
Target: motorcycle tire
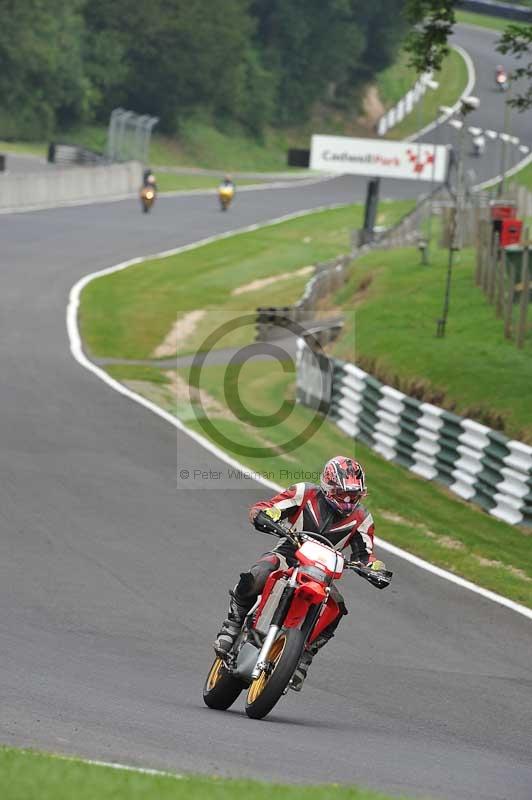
(221, 689)
(265, 692)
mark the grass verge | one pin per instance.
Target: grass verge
(128, 314)
(484, 20)
(395, 81)
(452, 79)
(26, 775)
(524, 177)
(395, 302)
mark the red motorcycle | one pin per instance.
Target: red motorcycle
(294, 608)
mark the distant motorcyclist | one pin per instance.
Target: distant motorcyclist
(479, 145)
(501, 77)
(226, 191)
(331, 509)
(148, 179)
(228, 182)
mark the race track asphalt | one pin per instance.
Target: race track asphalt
(113, 581)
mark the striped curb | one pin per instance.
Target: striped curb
(476, 463)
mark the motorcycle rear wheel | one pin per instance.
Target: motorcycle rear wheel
(266, 690)
(221, 689)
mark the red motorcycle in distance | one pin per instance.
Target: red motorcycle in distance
(294, 608)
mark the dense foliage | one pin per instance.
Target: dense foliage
(254, 61)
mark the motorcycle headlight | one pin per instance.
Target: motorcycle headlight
(315, 573)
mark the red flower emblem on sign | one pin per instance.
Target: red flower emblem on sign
(420, 161)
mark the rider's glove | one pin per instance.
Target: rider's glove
(273, 513)
(377, 566)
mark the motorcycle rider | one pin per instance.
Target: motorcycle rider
(501, 77)
(331, 509)
(148, 179)
(227, 183)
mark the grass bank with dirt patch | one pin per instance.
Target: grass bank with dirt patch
(128, 314)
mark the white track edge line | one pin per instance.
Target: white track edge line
(77, 352)
(508, 174)
(471, 80)
(109, 764)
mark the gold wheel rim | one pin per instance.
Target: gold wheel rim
(214, 674)
(259, 684)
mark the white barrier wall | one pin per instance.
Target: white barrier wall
(73, 184)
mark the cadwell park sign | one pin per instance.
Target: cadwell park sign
(378, 158)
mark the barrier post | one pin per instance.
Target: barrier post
(525, 294)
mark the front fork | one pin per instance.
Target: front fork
(276, 624)
(277, 621)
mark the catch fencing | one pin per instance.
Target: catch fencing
(476, 463)
(62, 186)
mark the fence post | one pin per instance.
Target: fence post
(499, 289)
(486, 254)
(509, 308)
(480, 253)
(525, 295)
(492, 261)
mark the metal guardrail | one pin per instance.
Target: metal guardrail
(327, 277)
(62, 153)
(505, 10)
(473, 461)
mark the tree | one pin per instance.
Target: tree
(42, 80)
(433, 22)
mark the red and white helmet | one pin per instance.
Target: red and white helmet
(343, 483)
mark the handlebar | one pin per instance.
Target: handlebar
(264, 523)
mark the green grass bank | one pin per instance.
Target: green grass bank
(129, 313)
(392, 303)
(26, 775)
(484, 20)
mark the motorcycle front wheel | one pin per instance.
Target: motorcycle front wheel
(268, 688)
(221, 689)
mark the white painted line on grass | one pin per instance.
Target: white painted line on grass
(76, 349)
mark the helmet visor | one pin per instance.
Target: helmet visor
(345, 501)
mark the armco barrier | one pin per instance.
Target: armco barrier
(473, 461)
(76, 184)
